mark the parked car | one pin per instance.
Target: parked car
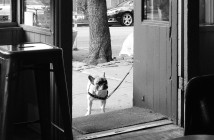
(78, 16)
(123, 13)
(4, 13)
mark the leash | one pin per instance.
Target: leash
(120, 82)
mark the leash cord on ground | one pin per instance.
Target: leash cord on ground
(120, 82)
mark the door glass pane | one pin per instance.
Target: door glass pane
(5, 11)
(206, 11)
(37, 13)
(156, 10)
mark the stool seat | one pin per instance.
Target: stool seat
(20, 50)
(37, 57)
(23, 48)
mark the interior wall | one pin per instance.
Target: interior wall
(206, 50)
(11, 35)
(35, 36)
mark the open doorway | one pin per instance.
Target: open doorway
(115, 70)
(152, 89)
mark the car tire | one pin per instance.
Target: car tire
(127, 19)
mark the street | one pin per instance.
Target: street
(118, 35)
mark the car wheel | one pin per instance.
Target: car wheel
(127, 19)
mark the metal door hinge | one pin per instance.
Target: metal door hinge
(181, 83)
(170, 32)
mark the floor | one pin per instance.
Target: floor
(25, 133)
(165, 132)
(159, 129)
(161, 132)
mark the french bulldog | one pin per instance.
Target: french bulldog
(97, 89)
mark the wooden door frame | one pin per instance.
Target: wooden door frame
(63, 36)
(191, 39)
(190, 43)
(174, 43)
(189, 52)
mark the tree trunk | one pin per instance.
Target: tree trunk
(100, 41)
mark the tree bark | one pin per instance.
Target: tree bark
(100, 41)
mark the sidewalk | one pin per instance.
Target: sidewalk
(114, 71)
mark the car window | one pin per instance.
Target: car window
(125, 4)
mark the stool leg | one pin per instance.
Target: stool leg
(8, 88)
(42, 76)
(62, 95)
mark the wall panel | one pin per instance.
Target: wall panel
(37, 37)
(206, 50)
(11, 35)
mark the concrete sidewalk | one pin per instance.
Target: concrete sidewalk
(115, 72)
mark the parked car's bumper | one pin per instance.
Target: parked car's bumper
(113, 19)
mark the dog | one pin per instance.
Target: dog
(97, 89)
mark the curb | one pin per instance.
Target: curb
(108, 77)
(97, 70)
(81, 24)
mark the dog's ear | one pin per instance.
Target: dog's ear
(91, 79)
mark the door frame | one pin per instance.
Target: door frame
(190, 47)
(191, 39)
(180, 62)
(188, 50)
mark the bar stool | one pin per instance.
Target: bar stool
(36, 56)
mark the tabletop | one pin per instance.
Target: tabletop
(26, 48)
(196, 137)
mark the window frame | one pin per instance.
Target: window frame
(149, 21)
(13, 22)
(206, 9)
(36, 29)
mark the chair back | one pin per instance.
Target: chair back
(199, 106)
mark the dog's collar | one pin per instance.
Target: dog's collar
(97, 97)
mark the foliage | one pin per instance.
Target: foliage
(82, 7)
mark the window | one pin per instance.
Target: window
(5, 11)
(125, 4)
(37, 13)
(156, 10)
(206, 11)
